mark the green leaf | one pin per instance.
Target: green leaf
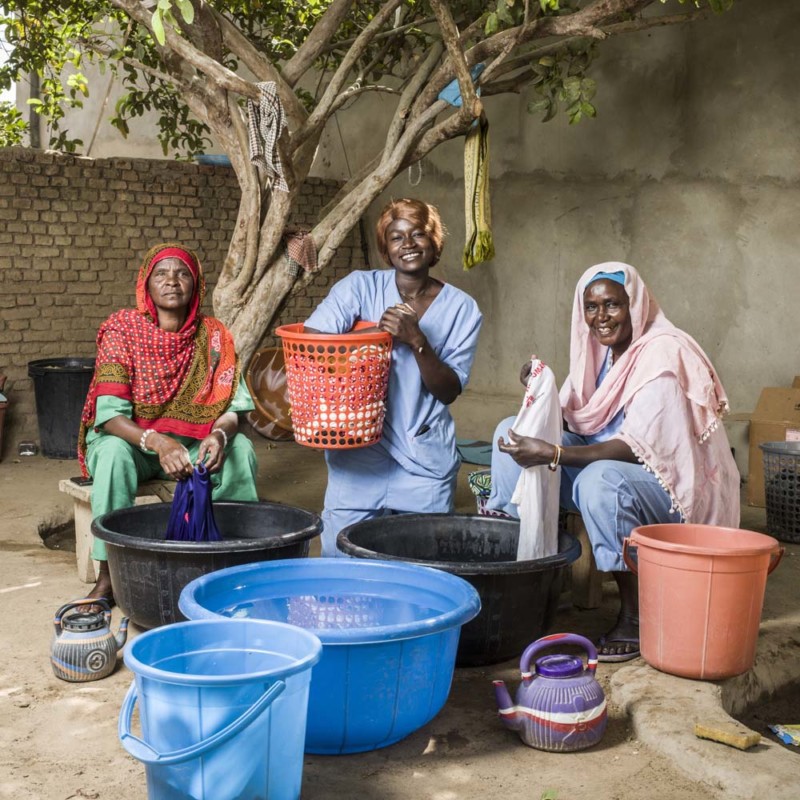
(158, 27)
(547, 61)
(535, 106)
(588, 110)
(572, 89)
(187, 10)
(588, 88)
(492, 24)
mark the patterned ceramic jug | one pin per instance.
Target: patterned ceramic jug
(561, 707)
(84, 649)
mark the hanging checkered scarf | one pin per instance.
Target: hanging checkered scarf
(265, 124)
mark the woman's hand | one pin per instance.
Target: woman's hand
(172, 455)
(211, 452)
(402, 322)
(525, 373)
(527, 452)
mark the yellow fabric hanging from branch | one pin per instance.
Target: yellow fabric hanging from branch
(479, 243)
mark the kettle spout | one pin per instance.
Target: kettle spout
(122, 633)
(506, 708)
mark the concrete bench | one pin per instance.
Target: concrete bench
(148, 492)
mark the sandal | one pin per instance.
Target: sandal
(615, 641)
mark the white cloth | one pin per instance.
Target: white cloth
(536, 493)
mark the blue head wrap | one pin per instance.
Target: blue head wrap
(617, 277)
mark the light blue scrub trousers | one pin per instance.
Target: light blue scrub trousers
(367, 483)
(613, 497)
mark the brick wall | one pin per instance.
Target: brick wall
(72, 234)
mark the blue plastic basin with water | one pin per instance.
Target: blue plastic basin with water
(389, 635)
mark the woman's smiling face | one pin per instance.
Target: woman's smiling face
(607, 313)
(409, 246)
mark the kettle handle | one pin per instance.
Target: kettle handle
(142, 751)
(557, 638)
(87, 601)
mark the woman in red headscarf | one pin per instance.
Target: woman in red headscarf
(166, 395)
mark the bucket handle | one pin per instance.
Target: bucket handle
(143, 752)
(776, 559)
(626, 556)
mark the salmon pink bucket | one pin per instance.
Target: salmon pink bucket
(337, 385)
(701, 591)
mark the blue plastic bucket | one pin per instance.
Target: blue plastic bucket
(223, 709)
(389, 635)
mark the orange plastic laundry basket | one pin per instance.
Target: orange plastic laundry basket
(337, 385)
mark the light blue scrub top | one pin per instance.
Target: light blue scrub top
(613, 427)
(418, 431)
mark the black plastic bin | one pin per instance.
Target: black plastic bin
(149, 572)
(519, 599)
(60, 387)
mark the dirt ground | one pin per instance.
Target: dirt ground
(58, 740)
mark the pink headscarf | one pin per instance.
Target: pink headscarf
(657, 435)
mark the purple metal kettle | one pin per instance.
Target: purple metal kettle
(561, 707)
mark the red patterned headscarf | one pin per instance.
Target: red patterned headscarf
(178, 383)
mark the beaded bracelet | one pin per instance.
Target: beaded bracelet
(143, 440)
(224, 436)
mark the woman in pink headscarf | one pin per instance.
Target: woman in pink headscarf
(643, 442)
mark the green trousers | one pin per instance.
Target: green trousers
(118, 468)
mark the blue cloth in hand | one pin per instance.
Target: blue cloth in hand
(191, 518)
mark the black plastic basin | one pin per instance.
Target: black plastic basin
(519, 599)
(148, 572)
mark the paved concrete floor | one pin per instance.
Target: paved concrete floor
(58, 741)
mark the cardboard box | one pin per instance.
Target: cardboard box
(796, 382)
(776, 419)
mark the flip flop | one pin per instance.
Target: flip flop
(613, 658)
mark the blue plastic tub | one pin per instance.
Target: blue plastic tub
(389, 635)
(223, 708)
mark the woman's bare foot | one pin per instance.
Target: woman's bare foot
(102, 589)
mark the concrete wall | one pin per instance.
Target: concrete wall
(72, 235)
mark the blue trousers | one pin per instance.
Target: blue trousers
(613, 497)
(367, 482)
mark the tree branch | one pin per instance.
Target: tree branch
(355, 91)
(409, 95)
(470, 104)
(582, 23)
(315, 44)
(261, 67)
(220, 75)
(521, 62)
(106, 52)
(322, 111)
(384, 35)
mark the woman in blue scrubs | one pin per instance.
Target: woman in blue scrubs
(413, 468)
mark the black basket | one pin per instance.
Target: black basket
(782, 489)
